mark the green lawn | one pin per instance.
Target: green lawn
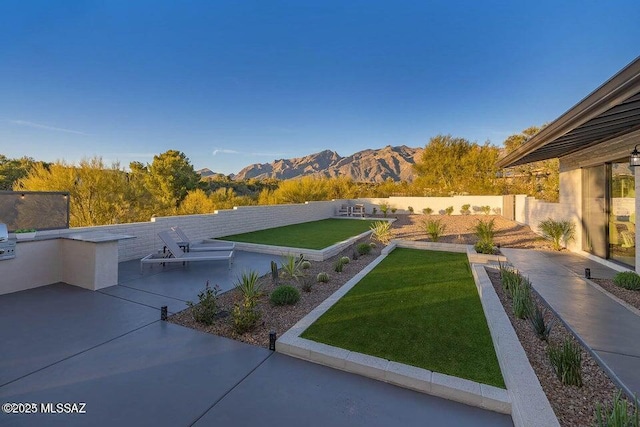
(416, 307)
(308, 235)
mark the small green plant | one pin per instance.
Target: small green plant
(522, 300)
(557, 231)
(384, 208)
(284, 295)
(540, 326)
(410, 209)
(322, 277)
(485, 231)
(364, 248)
(394, 210)
(449, 210)
(291, 266)
(345, 260)
(628, 280)
(381, 231)
(427, 211)
(249, 287)
(206, 309)
(465, 209)
(486, 209)
(509, 278)
(373, 245)
(566, 360)
(305, 265)
(25, 230)
(497, 211)
(354, 254)
(338, 266)
(245, 317)
(620, 414)
(274, 272)
(485, 248)
(434, 229)
(374, 211)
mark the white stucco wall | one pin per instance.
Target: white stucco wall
(436, 203)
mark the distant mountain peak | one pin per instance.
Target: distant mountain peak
(370, 165)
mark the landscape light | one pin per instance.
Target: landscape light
(634, 158)
(272, 341)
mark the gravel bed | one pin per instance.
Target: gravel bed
(574, 406)
(630, 297)
(281, 318)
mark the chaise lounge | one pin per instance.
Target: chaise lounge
(175, 254)
(204, 246)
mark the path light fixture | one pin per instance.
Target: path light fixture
(163, 312)
(272, 340)
(587, 273)
(634, 158)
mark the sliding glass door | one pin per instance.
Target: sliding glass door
(594, 210)
(622, 217)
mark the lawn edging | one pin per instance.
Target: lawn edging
(310, 254)
(529, 403)
(411, 377)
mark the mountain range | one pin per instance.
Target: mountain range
(371, 165)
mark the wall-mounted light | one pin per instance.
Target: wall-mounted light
(634, 158)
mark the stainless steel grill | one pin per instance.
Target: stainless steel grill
(7, 247)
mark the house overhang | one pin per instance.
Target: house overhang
(610, 111)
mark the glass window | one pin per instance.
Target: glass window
(622, 214)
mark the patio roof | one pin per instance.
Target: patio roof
(610, 111)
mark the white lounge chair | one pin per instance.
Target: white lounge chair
(358, 210)
(345, 210)
(178, 255)
(204, 246)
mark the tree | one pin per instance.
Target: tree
(456, 166)
(170, 177)
(11, 170)
(97, 191)
(539, 179)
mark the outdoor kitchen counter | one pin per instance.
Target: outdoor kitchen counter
(85, 259)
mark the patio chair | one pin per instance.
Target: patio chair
(178, 255)
(358, 210)
(204, 246)
(345, 210)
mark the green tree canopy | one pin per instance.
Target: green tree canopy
(452, 165)
(11, 170)
(169, 178)
(539, 179)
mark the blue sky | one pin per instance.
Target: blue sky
(232, 83)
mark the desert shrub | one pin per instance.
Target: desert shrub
(557, 231)
(485, 248)
(509, 278)
(374, 211)
(465, 209)
(291, 266)
(410, 209)
(566, 360)
(393, 210)
(540, 326)
(434, 229)
(373, 245)
(284, 295)
(322, 277)
(248, 285)
(364, 248)
(427, 211)
(338, 266)
(345, 260)
(354, 254)
(485, 209)
(381, 231)
(449, 210)
(245, 317)
(305, 265)
(384, 208)
(619, 414)
(497, 211)
(306, 284)
(522, 300)
(627, 280)
(206, 309)
(485, 230)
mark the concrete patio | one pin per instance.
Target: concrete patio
(110, 350)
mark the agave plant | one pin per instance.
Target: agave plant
(248, 285)
(292, 266)
(381, 231)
